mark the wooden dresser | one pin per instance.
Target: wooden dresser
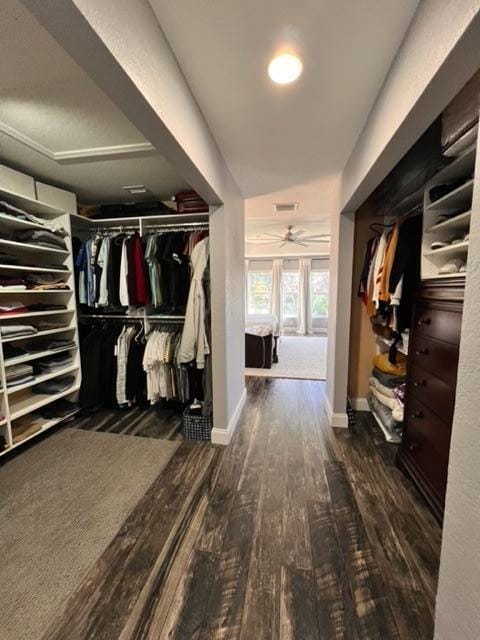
(430, 388)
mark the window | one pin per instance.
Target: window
(319, 293)
(259, 291)
(290, 293)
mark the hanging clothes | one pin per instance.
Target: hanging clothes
(194, 345)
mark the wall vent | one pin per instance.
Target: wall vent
(282, 207)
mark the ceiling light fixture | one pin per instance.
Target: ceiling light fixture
(285, 68)
(135, 189)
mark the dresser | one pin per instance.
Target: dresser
(430, 388)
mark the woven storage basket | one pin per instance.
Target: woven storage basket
(195, 427)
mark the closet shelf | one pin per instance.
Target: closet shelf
(36, 355)
(454, 200)
(460, 247)
(39, 334)
(9, 222)
(21, 267)
(36, 401)
(12, 244)
(45, 426)
(390, 436)
(22, 292)
(445, 276)
(462, 221)
(33, 314)
(29, 204)
(42, 378)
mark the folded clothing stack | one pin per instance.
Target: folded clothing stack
(387, 390)
(15, 307)
(8, 331)
(57, 385)
(40, 237)
(10, 352)
(6, 258)
(52, 345)
(12, 283)
(18, 374)
(58, 409)
(7, 209)
(45, 281)
(53, 363)
(25, 426)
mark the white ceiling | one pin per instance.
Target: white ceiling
(274, 137)
(49, 108)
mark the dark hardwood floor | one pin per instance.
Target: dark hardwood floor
(294, 531)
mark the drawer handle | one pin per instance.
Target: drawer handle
(413, 446)
(417, 414)
(420, 383)
(424, 321)
(422, 352)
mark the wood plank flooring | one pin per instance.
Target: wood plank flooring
(294, 531)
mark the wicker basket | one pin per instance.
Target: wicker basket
(195, 427)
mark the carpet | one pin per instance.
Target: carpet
(303, 357)
(61, 503)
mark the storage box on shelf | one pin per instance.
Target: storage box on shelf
(20, 401)
(446, 220)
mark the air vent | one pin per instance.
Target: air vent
(282, 207)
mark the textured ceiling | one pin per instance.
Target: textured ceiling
(50, 101)
(272, 136)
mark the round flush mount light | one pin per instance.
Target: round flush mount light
(285, 68)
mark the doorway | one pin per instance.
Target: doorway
(287, 297)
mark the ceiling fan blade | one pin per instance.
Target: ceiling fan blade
(317, 235)
(283, 244)
(274, 235)
(309, 241)
(297, 233)
(302, 244)
(257, 241)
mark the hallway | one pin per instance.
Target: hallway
(290, 532)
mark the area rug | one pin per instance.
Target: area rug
(61, 503)
(303, 357)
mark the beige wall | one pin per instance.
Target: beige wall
(362, 342)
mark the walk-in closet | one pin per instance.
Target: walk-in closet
(410, 262)
(100, 313)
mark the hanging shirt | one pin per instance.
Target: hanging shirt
(194, 345)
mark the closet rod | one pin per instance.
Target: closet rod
(155, 317)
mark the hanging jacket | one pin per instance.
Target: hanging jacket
(194, 344)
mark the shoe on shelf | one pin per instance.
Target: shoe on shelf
(439, 244)
(452, 266)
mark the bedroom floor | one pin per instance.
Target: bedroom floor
(299, 357)
(293, 531)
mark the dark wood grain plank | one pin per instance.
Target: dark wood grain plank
(373, 612)
(296, 538)
(261, 614)
(298, 616)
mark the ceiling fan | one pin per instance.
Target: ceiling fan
(295, 237)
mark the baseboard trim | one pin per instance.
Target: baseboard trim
(223, 436)
(336, 419)
(359, 404)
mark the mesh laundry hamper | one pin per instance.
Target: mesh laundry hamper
(195, 427)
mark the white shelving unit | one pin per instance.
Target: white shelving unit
(457, 206)
(19, 401)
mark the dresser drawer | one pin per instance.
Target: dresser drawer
(427, 443)
(437, 323)
(437, 357)
(433, 392)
